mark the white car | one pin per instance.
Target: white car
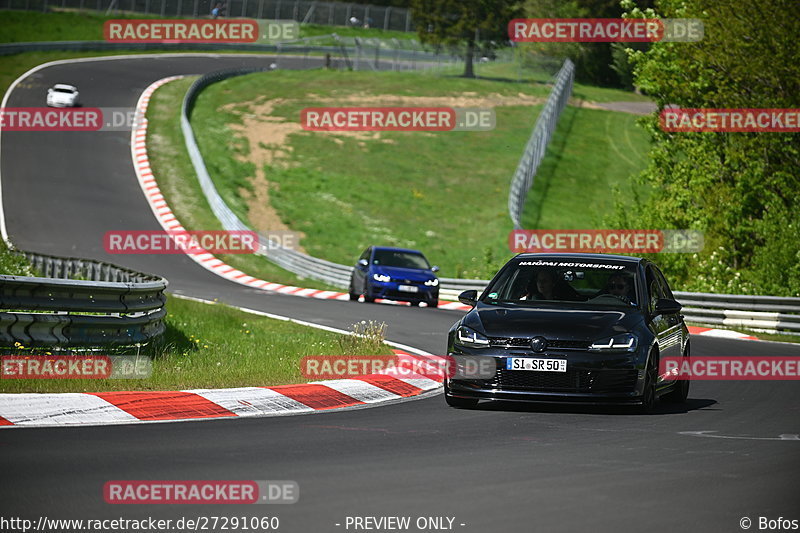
(61, 95)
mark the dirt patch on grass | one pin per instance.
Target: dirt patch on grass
(267, 135)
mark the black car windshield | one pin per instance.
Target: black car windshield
(63, 90)
(393, 258)
(587, 283)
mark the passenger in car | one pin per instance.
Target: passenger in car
(546, 285)
(620, 286)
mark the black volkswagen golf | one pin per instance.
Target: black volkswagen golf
(570, 327)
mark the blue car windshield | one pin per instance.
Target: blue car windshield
(400, 259)
(590, 283)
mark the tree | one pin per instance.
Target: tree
(741, 189)
(457, 22)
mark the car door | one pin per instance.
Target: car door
(667, 327)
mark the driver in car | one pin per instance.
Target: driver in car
(619, 285)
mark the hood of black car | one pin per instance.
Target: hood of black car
(551, 323)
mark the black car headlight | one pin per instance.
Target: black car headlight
(625, 342)
(470, 338)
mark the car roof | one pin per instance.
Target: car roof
(65, 86)
(579, 256)
(392, 249)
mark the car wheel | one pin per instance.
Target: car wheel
(367, 298)
(680, 391)
(415, 304)
(460, 403)
(351, 292)
(649, 393)
(433, 303)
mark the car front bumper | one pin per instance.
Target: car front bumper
(590, 378)
(390, 291)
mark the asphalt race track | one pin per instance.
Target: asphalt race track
(732, 451)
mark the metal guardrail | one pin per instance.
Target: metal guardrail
(113, 306)
(759, 313)
(539, 139)
(304, 11)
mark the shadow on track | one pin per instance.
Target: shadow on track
(662, 408)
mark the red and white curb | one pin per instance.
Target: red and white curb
(722, 333)
(169, 222)
(130, 407)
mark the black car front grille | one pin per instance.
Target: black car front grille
(573, 380)
(525, 342)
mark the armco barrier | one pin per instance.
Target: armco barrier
(113, 306)
(760, 313)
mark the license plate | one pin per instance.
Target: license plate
(536, 365)
(407, 288)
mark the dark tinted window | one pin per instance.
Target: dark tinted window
(400, 259)
(654, 289)
(664, 285)
(587, 283)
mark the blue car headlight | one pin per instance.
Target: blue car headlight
(381, 277)
(432, 282)
(625, 342)
(470, 338)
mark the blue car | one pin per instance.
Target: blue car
(395, 274)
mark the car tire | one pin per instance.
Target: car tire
(353, 295)
(367, 298)
(649, 393)
(414, 304)
(680, 391)
(460, 403)
(433, 303)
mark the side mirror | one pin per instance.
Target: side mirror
(665, 306)
(434, 268)
(363, 263)
(469, 297)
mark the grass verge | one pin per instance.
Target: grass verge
(12, 264)
(216, 346)
(592, 152)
